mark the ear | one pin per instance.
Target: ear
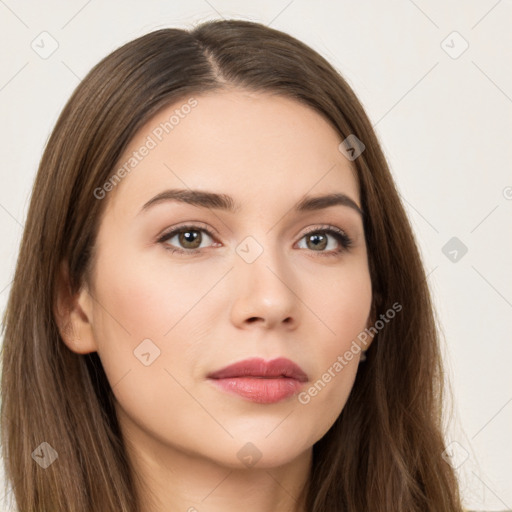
(73, 315)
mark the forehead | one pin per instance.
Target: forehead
(257, 147)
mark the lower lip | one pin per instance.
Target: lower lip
(260, 390)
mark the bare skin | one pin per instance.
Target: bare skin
(210, 307)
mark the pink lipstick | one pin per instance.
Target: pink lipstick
(261, 381)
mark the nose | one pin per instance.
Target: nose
(265, 292)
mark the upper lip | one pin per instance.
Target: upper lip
(257, 367)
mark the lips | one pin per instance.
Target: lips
(260, 381)
(257, 367)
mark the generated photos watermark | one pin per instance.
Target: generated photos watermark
(342, 360)
(157, 135)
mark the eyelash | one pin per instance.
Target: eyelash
(345, 241)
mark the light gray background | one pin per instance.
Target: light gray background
(444, 121)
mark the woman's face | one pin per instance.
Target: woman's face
(266, 280)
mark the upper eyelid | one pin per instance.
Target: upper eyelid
(324, 227)
(190, 225)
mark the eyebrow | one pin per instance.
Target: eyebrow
(225, 202)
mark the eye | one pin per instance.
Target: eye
(317, 239)
(189, 237)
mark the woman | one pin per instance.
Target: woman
(219, 300)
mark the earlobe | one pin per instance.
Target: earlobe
(73, 315)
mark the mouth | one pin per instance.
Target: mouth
(260, 381)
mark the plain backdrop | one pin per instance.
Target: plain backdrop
(434, 80)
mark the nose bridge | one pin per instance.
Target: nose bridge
(261, 256)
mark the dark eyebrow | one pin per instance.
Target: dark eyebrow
(310, 203)
(195, 198)
(224, 202)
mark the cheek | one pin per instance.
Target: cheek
(161, 309)
(342, 303)
(342, 307)
(147, 299)
(148, 328)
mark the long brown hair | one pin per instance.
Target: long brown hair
(384, 452)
